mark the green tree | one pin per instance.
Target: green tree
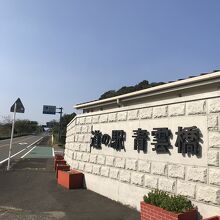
(22, 127)
(26, 127)
(108, 94)
(65, 120)
(127, 89)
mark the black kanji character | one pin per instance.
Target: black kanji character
(188, 139)
(106, 139)
(96, 140)
(162, 140)
(118, 138)
(140, 139)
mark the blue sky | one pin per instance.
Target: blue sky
(67, 52)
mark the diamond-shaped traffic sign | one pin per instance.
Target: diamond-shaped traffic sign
(19, 106)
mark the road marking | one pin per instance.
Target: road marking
(21, 150)
(29, 151)
(22, 143)
(53, 152)
(15, 142)
(5, 212)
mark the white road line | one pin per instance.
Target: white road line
(21, 150)
(53, 152)
(29, 151)
(16, 142)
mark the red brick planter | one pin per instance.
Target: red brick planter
(62, 167)
(59, 162)
(58, 157)
(151, 212)
(213, 218)
(72, 179)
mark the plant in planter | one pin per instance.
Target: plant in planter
(213, 218)
(160, 205)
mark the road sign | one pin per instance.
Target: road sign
(49, 109)
(51, 124)
(16, 107)
(19, 106)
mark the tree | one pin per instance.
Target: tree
(65, 120)
(26, 127)
(127, 89)
(108, 94)
(22, 127)
(142, 85)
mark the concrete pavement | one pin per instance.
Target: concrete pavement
(30, 191)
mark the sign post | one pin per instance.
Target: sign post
(16, 107)
(60, 129)
(51, 110)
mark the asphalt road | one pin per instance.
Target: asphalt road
(20, 146)
(29, 191)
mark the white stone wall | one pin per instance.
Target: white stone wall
(126, 176)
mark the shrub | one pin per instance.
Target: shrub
(178, 204)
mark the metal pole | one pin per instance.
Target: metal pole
(60, 130)
(12, 134)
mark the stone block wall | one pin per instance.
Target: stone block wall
(126, 176)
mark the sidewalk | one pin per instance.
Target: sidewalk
(30, 192)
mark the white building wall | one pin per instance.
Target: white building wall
(125, 176)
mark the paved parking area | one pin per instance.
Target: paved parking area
(30, 191)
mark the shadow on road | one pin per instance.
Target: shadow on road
(30, 191)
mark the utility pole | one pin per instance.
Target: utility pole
(51, 110)
(60, 127)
